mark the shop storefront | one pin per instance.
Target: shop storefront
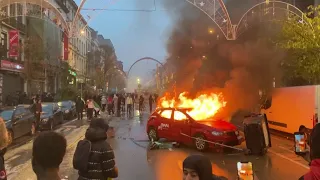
(11, 81)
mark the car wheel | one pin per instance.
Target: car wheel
(152, 134)
(10, 137)
(200, 143)
(33, 129)
(51, 125)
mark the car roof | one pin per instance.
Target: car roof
(65, 101)
(48, 103)
(170, 108)
(24, 105)
(4, 108)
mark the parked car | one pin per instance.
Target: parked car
(177, 125)
(68, 108)
(19, 121)
(51, 116)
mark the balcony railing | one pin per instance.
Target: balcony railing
(63, 6)
(16, 24)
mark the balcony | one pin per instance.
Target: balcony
(16, 24)
(63, 5)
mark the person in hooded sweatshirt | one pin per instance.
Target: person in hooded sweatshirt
(48, 151)
(314, 172)
(101, 165)
(4, 141)
(198, 167)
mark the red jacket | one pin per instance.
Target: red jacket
(314, 173)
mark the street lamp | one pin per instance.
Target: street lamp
(82, 31)
(138, 81)
(210, 30)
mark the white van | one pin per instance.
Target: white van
(293, 107)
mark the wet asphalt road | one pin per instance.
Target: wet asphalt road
(136, 162)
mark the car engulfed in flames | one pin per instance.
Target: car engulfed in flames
(202, 107)
(193, 121)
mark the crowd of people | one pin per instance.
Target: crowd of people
(23, 98)
(114, 104)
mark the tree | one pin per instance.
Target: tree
(35, 54)
(99, 79)
(301, 39)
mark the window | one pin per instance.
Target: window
(178, 115)
(18, 112)
(3, 44)
(12, 10)
(166, 114)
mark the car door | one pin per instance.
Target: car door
(18, 124)
(165, 119)
(56, 114)
(181, 128)
(30, 116)
(26, 120)
(73, 108)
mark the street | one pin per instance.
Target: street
(135, 161)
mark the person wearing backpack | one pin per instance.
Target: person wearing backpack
(94, 157)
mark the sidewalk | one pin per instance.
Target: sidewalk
(25, 172)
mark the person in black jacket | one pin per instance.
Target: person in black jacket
(79, 108)
(48, 151)
(314, 172)
(101, 163)
(3, 145)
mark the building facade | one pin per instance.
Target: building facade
(11, 67)
(43, 48)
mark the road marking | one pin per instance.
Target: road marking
(284, 148)
(289, 159)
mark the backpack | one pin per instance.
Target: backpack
(81, 155)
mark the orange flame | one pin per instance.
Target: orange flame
(203, 107)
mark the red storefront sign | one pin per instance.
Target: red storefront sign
(13, 43)
(65, 46)
(11, 66)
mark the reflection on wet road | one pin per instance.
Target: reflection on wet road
(135, 161)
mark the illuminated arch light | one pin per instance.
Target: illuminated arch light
(217, 12)
(268, 11)
(143, 59)
(37, 9)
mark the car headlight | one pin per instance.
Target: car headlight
(67, 111)
(217, 133)
(45, 120)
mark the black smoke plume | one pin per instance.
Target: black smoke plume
(206, 61)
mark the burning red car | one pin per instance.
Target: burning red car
(176, 124)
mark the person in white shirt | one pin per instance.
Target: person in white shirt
(103, 103)
(129, 103)
(115, 104)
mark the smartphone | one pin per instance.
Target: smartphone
(300, 143)
(245, 171)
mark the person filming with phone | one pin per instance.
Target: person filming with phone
(314, 172)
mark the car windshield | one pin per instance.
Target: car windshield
(64, 104)
(47, 108)
(6, 115)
